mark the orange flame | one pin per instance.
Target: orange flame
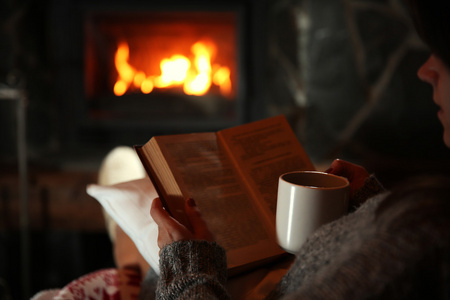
(196, 76)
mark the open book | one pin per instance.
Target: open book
(232, 175)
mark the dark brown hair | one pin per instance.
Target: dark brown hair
(432, 21)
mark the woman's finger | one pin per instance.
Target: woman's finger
(355, 174)
(199, 226)
(161, 216)
(341, 168)
(170, 230)
(162, 237)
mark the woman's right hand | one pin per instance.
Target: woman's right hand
(355, 174)
(170, 230)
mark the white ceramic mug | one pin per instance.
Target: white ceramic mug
(306, 200)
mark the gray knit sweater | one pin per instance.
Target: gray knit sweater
(398, 252)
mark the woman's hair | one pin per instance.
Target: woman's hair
(432, 21)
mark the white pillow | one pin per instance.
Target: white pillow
(128, 203)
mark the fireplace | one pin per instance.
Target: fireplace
(167, 67)
(127, 70)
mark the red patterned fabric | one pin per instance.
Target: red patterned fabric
(107, 284)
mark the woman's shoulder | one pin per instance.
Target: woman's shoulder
(416, 204)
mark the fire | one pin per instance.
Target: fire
(195, 75)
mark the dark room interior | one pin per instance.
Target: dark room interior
(342, 72)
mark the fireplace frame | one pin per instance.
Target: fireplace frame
(66, 40)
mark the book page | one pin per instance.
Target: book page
(204, 172)
(264, 150)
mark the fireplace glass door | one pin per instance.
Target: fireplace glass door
(164, 67)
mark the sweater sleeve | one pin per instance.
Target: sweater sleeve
(370, 188)
(192, 269)
(402, 254)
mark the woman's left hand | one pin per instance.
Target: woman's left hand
(170, 230)
(355, 174)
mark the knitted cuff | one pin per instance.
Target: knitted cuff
(370, 188)
(193, 257)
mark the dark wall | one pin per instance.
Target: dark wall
(351, 88)
(25, 65)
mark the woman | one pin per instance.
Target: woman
(393, 246)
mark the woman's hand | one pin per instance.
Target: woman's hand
(355, 174)
(170, 230)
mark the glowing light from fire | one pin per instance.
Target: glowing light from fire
(222, 79)
(126, 72)
(173, 71)
(147, 86)
(196, 75)
(198, 84)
